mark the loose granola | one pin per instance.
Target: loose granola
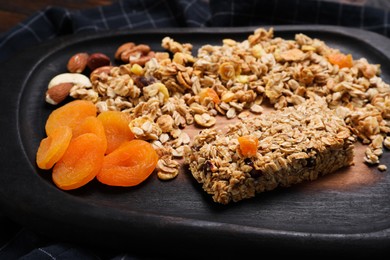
(246, 75)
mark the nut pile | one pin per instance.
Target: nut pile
(166, 91)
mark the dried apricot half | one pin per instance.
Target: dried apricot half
(128, 165)
(53, 147)
(80, 164)
(91, 125)
(70, 114)
(116, 126)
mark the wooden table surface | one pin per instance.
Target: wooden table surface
(13, 12)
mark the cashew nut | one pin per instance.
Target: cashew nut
(75, 78)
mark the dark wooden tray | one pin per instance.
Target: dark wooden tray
(348, 212)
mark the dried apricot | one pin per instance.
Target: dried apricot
(248, 145)
(116, 126)
(209, 92)
(70, 114)
(53, 147)
(340, 59)
(128, 165)
(91, 125)
(80, 164)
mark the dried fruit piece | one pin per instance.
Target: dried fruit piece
(70, 114)
(210, 93)
(128, 165)
(340, 59)
(92, 125)
(248, 145)
(53, 147)
(80, 164)
(116, 126)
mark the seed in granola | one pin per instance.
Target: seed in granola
(257, 109)
(386, 142)
(164, 137)
(382, 167)
(231, 113)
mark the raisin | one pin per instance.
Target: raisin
(142, 81)
(255, 173)
(310, 162)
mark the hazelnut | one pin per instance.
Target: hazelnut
(78, 62)
(97, 60)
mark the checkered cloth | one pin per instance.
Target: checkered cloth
(53, 22)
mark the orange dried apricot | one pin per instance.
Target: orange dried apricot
(116, 126)
(80, 164)
(70, 114)
(91, 125)
(53, 147)
(209, 92)
(340, 59)
(248, 145)
(128, 165)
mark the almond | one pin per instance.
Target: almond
(78, 62)
(56, 94)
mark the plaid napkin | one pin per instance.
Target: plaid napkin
(53, 22)
(17, 242)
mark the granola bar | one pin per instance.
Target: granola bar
(296, 144)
